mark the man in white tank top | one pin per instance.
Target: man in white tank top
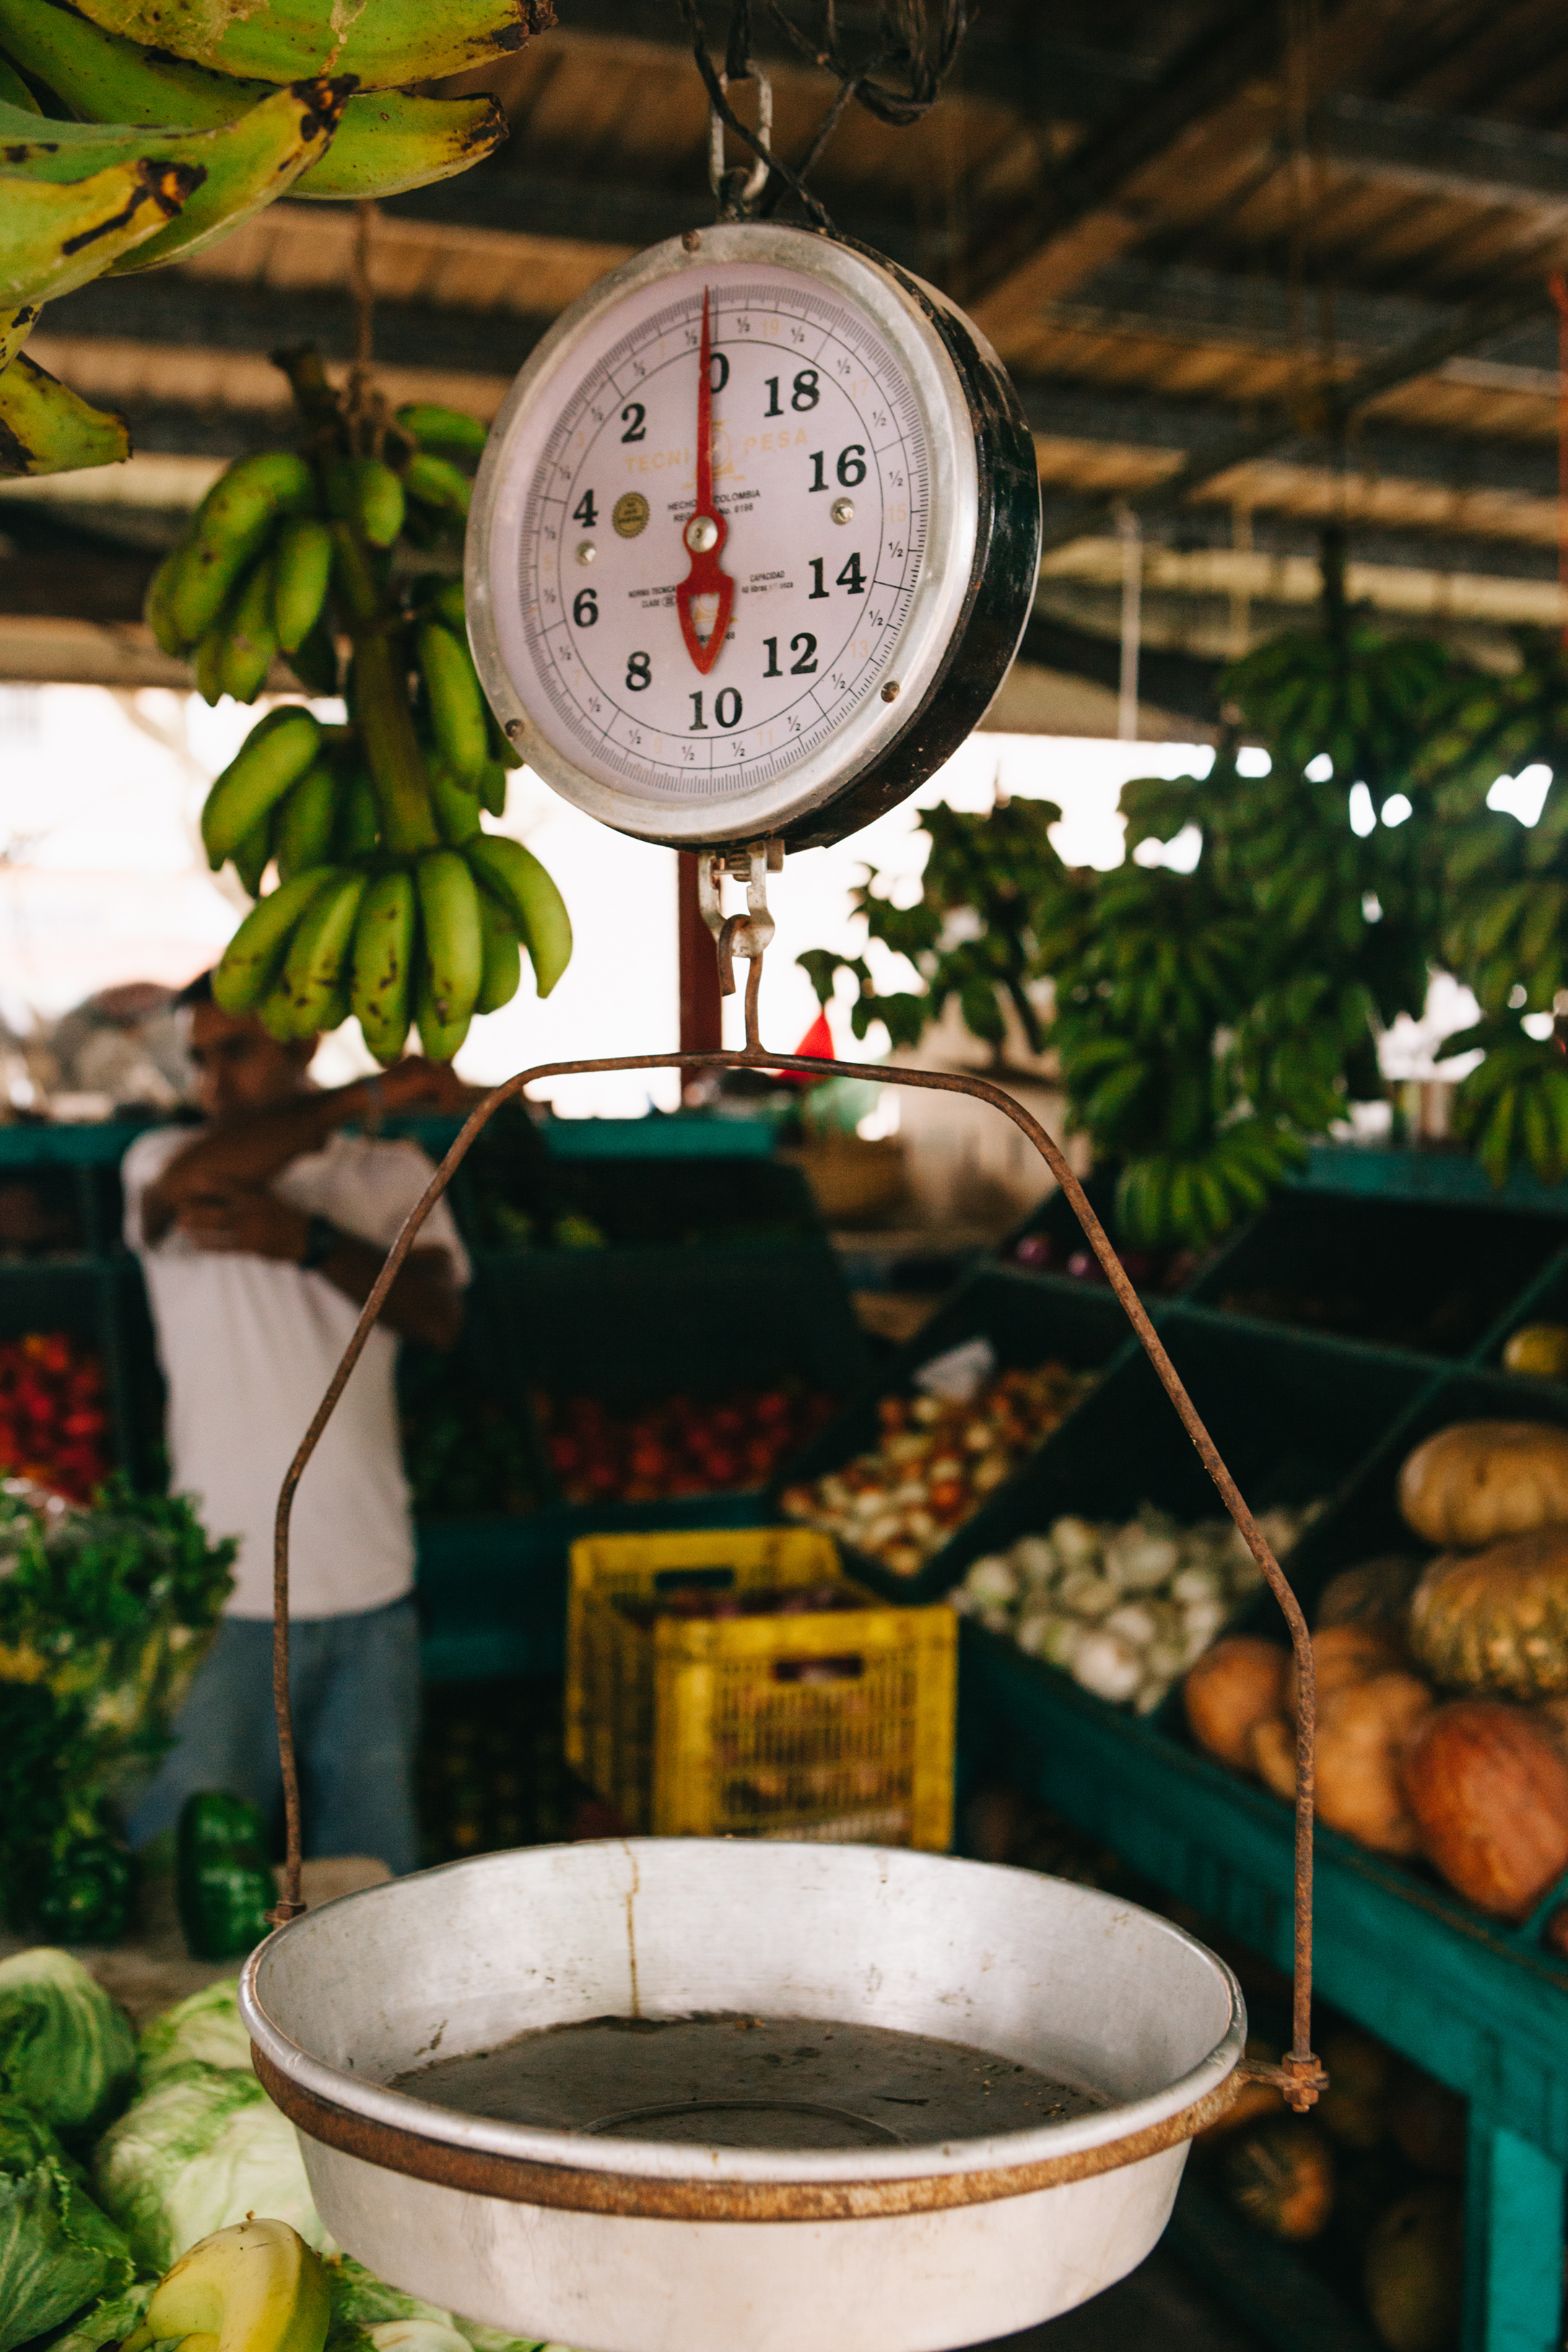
(260, 1233)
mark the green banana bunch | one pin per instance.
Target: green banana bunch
(388, 44)
(236, 168)
(256, 2287)
(1514, 1105)
(1168, 1199)
(392, 901)
(46, 428)
(386, 141)
(55, 235)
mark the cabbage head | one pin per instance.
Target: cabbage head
(368, 2315)
(196, 2153)
(207, 2027)
(58, 2252)
(66, 2049)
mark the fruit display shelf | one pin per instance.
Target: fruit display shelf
(1299, 1408)
(587, 1318)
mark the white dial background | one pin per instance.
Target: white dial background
(829, 469)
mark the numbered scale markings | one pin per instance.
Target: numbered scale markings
(735, 519)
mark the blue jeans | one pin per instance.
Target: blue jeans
(354, 1682)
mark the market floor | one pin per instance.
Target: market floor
(1160, 2305)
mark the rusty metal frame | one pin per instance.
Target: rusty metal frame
(519, 2181)
(1299, 2076)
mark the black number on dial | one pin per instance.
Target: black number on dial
(639, 672)
(584, 608)
(585, 512)
(852, 464)
(818, 590)
(718, 370)
(772, 669)
(772, 408)
(851, 577)
(730, 717)
(633, 417)
(805, 394)
(806, 647)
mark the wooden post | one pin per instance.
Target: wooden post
(701, 1014)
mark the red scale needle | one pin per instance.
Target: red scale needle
(706, 529)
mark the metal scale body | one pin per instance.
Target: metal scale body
(600, 643)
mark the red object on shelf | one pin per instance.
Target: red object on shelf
(681, 1445)
(53, 1423)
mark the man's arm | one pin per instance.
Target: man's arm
(248, 1148)
(424, 1302)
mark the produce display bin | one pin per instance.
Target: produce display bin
(1479, 2004)
(835, 1723)
(1425, 1277)
(1027, 1323)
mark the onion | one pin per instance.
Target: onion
(992, 1579)
(1134, 1622)
(1076, 1543)
(1138, 1560)
(1084, 1595)
(1108, 1665)
(1035, 1558)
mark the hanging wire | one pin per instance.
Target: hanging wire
(917, 41)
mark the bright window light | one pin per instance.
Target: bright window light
(1319, 771)
(1524, 795)
(1364, 817)
(1252, 759)
(1538, 1025)
(1396, 808)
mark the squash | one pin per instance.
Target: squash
(1482, 1479)
(1346, 1654)
(1274, 1755)
(1375, 1594)
(1280, 2176)
(1363, 1734)
(1229, 1689)
(1414, 2270)
(1489, 1788)
(1497, 1619)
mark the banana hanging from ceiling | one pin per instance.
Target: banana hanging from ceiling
(386, 139)
(236, 168)
(54, 236)
(47, 429)
(386, 43)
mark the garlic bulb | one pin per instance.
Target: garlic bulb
(1134, 1624)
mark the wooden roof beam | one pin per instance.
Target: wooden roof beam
(1477, 323)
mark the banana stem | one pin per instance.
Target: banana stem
(378, 680)
(391, 747)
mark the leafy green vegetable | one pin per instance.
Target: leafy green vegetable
(207, 2027)
(58, 2252)
(109, 2321)
(65, 2047)
(368, 2315)
(197, 2153)
(104, 1616)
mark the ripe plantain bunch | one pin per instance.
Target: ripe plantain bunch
(134, 133)
(392, 901)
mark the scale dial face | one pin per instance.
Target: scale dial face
(725, 536)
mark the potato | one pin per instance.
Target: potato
(1232, 1687)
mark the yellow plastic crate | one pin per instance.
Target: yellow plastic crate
(835, 1724)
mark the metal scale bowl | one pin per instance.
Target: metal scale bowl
(615, 2242)
(634, 2244)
